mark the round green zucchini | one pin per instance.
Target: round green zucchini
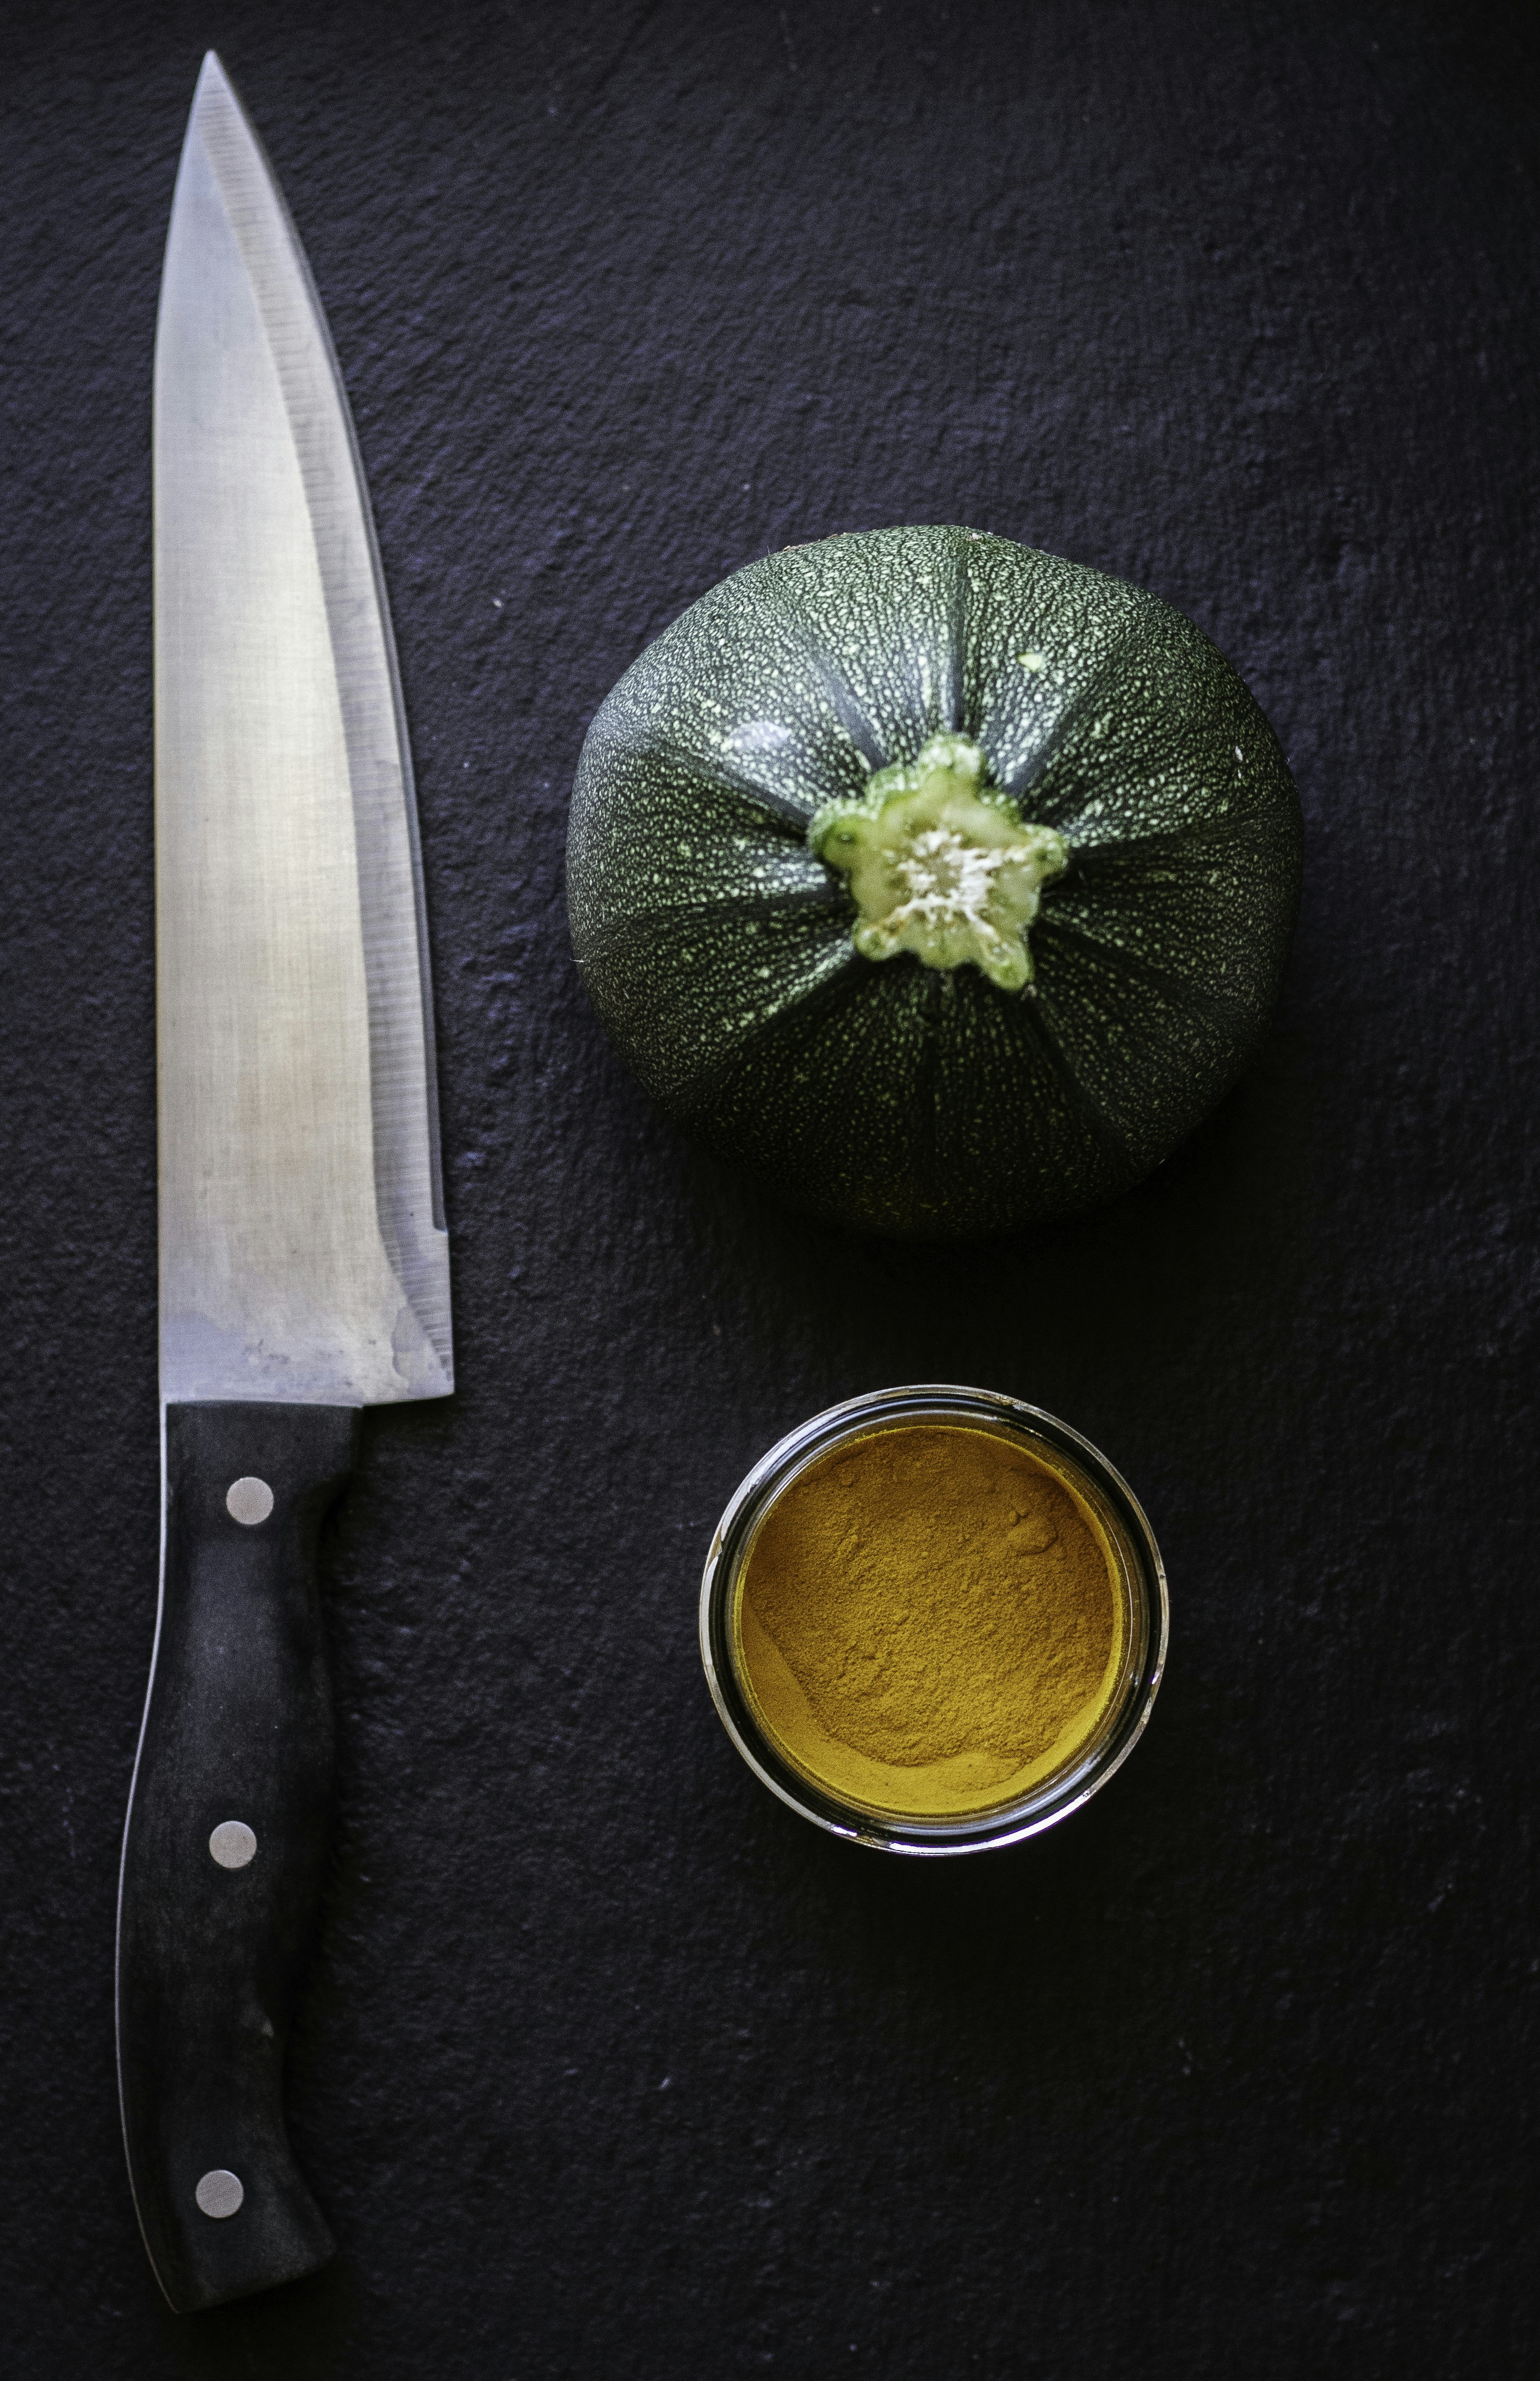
(943, 884)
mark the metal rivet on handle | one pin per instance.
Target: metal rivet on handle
(249, 1500)
(232, 1843)
(220, 2192)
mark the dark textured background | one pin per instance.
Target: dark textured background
(609, 2066)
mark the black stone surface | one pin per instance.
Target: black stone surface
(609, 2066)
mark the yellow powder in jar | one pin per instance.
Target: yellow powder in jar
(931, 1619)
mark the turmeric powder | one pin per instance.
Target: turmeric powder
(930, 1619)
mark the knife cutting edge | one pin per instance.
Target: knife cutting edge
(303, 1258)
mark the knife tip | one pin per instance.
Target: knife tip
(213, 79)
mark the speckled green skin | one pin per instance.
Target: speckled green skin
(887, 1095)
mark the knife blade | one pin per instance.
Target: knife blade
(303, 1257)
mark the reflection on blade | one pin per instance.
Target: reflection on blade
(302, 1250)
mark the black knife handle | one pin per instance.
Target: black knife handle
(237, 1736)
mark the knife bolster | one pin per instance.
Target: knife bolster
(226, 1845)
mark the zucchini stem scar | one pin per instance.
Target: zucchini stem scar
(941, 863)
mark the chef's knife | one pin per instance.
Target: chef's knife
(304, 1264)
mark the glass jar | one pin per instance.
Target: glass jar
(1139, 1579)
